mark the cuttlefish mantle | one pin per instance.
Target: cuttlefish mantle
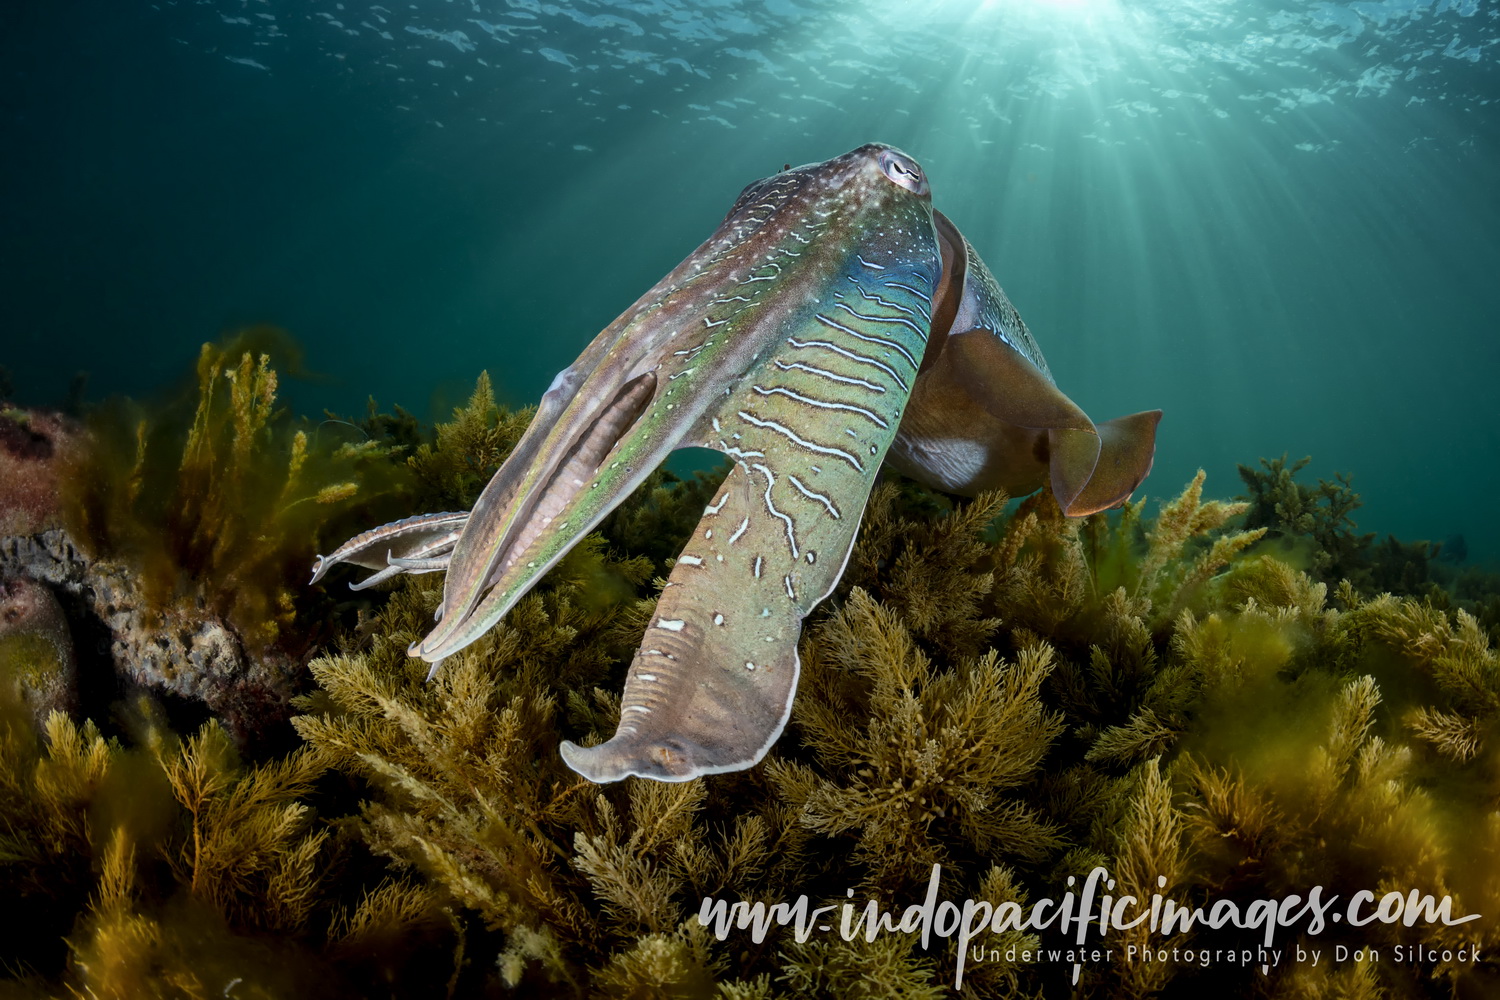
(833, 322)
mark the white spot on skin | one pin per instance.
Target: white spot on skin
(749, 665)
(674, 625)
(709, 533)
(812, 557)
(718, 619)
(758, 562)
(690, 560)
(648, 678)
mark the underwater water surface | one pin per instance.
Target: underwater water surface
(1276, 221)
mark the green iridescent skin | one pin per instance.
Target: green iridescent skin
(791, 341)
(806, 383)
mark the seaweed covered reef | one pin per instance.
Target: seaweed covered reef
(1313, 528)
(1016, 697)
(179, 533)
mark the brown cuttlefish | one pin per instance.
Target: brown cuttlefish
(833, 322)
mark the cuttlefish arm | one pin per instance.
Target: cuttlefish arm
(789, 341)
(711, 687)
(985, 412)
(420, 544)
(425, 543)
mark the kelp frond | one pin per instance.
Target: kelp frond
(1016, 698)
(1013, 695)
(930, 563)
(1151, 856)
(253, 853)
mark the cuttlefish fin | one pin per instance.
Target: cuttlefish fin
(985, 412)
(1091, 467)
(1127, 447)
(999, 380)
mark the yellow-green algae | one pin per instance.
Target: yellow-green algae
(1015, 696)
(172, 868)
(217, 500)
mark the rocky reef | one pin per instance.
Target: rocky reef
(36, 647)
(35, 445)
(996, 700)
(181, 531)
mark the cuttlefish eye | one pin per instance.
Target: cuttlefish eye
(903, 170)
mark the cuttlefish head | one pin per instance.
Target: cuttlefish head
(695, 352)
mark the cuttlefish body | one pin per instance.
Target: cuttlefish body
(834, 321)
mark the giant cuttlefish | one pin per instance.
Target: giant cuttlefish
(833, 321)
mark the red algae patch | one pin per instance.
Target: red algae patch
(34, 445)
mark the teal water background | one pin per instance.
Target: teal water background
(1277, 221)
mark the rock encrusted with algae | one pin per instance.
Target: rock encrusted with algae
(181, 650)
(36, 647)
(183, 532)
(35, 446)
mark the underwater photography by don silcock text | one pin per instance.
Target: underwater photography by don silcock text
(518, 499)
